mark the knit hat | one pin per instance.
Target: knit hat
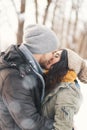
(77, 64)
(74, 61)
(39, 39)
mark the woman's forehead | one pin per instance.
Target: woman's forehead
(59, 51)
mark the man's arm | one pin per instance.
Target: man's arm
(21, 106)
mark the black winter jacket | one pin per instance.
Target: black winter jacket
(20, 94)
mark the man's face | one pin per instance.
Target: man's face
(48, 59)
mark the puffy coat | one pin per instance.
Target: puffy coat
(20, 94)
(61, 104)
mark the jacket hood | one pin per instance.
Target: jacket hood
(12, 56)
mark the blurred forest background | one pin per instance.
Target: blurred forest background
(67, 18)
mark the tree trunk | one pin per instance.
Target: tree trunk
(21, 22)
(46, 11)
(36, 10)
(54, 12)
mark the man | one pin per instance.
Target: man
(21, 82)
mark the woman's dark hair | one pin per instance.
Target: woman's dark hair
(57, 71)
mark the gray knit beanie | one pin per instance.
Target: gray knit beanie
(39, 39)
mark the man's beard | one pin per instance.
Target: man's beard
(43, 66)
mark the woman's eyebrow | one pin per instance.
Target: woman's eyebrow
(57, 54)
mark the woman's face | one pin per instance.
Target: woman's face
(50, 59)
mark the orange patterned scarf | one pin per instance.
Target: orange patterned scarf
(69, 77)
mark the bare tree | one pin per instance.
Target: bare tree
(76, 9)
(20, 17)
(83, 43)
(54, 12)
(69, 22)
(36, 12)
(46, 11)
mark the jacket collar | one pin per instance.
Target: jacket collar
(30, 58)
(35, 65)
(56, 90)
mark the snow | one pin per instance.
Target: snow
(81, 117)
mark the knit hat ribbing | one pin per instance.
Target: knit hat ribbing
(39, 39)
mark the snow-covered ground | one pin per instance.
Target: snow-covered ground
(81, 117)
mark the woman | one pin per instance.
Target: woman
(63, 96)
